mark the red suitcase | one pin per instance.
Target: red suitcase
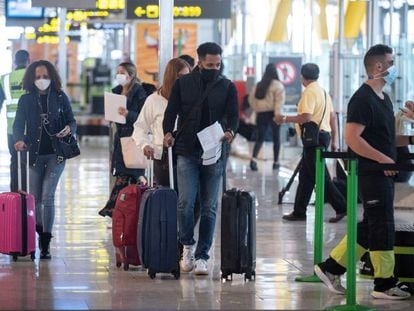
(124, 225)
(18, 222)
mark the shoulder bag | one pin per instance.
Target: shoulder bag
(309, 131)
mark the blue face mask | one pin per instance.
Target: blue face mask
(391, 76)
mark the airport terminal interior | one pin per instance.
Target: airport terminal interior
(82, 273)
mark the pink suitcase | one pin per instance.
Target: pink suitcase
(18, 222)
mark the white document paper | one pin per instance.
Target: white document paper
(112, 104)
(211, 156)
(210, 140)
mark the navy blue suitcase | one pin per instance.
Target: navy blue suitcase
(157, 232)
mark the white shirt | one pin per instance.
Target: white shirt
(149, 122)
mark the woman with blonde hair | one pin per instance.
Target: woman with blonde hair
(129, 86)
(151, 117)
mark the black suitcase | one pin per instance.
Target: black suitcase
(404, 256)
(238, 234)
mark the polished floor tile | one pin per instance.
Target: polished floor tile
(82, 273)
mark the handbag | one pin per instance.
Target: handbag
(69, 147)
(132, 155)
(309, 131)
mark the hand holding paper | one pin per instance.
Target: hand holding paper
(112, 104)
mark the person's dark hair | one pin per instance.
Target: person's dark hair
(21, 58)
(211, 48)
(149, 88)
(376, 54)
(189, 59)
(30, 76)
(310, 71)
(269, 75)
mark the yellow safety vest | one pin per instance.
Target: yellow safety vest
(12, 87)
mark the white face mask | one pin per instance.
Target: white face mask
(42, 84)
(121, 79)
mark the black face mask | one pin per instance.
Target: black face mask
(209, 74)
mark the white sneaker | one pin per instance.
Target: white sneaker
(201, 267)
(333, 282)
(393, 294)
(187, 262)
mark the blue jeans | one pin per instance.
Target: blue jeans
(44, 177)
(191, 175)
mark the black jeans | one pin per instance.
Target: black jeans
(263, 121)
(376, 231)
(307, 181)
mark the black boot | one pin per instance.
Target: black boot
(39, 230)
(44, 253)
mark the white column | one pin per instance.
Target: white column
(166, 35)
(62, 46)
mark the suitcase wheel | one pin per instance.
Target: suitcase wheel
(126, 266)
(249, 276)
(176, 274)
(32, 256)
(14, 258)
(151, 274)
(118, 264)
(225, 276)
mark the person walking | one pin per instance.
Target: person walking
(199, 99)
(11, 90)
(44, 115)
(151, 117)
(315, 105)
(129, 86)
(370, 136)
(267, 99)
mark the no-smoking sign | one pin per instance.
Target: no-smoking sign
(287, 72)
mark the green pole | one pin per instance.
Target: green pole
(352, 217)
(319, 207)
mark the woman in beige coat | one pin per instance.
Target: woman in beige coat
(267, 99)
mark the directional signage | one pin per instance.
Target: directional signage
(210, 9)
(70, 4)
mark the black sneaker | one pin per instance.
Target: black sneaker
(253, 165)
(276, 165)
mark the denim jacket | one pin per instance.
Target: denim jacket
(28, 116)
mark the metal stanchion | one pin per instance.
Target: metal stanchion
(352, 217)
(319, 208)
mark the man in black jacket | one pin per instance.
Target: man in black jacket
(199, 99)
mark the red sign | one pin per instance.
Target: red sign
(287, 72)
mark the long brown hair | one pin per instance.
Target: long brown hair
(172, 69)
(30, 76)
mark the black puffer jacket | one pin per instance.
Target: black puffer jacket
(186, 92)
(135, 100)
(28, 116)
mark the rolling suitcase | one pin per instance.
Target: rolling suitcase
(238, 234)
(124, 225)
(157, 227)
(18, 220)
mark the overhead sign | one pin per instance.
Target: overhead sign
(288, 69)
(209, 9)
(70, 4)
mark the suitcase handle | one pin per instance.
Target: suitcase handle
(19, 172)
(150, 169)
